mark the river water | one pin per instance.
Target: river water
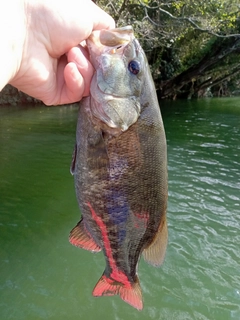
(43, 277)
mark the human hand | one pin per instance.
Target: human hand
(54, 67)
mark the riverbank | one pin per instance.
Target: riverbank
(12, 96)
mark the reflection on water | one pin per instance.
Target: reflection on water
(43, 277)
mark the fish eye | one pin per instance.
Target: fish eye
(134, 67)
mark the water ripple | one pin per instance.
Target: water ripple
(204, 220)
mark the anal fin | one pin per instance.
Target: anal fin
(79, 237)
(155, 252)
(131, 294)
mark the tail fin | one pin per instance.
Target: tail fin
(132, 295)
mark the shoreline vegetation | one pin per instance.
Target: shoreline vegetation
(192, 47)
(12, 96)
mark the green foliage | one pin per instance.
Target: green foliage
(178, 35)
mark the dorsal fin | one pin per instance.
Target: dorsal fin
(155, 252)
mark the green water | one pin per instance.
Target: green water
(43, 277)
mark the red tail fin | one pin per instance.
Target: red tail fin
(132, 295)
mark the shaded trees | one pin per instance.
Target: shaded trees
(191, 45)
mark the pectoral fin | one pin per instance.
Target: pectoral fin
(74, 156)
(79, 237)
(155, 252)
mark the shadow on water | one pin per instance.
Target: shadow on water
(43, 277)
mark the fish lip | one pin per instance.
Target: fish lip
(112, 37)
(116, 39)
(108, 41)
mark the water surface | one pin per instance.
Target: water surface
(43, 277)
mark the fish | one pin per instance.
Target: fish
(119, 165)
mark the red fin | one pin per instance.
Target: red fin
(132, 295)
(79, 237)
(155, 252)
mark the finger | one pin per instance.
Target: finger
(74, 73)
(74, 88)
(79, 56)
(68, 86)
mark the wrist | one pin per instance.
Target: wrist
(13, 32)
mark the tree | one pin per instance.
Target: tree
(191, 45)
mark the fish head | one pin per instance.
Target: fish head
(116, 86)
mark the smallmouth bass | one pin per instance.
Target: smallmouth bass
(120, 165)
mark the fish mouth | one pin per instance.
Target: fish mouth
(116, 37)
(110, 41)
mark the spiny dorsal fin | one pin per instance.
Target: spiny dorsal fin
(155, 252)
(79, 237)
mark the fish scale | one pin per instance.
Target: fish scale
(120, 166)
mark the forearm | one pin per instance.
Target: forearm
(12, 35)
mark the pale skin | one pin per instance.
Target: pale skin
(40, 51)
